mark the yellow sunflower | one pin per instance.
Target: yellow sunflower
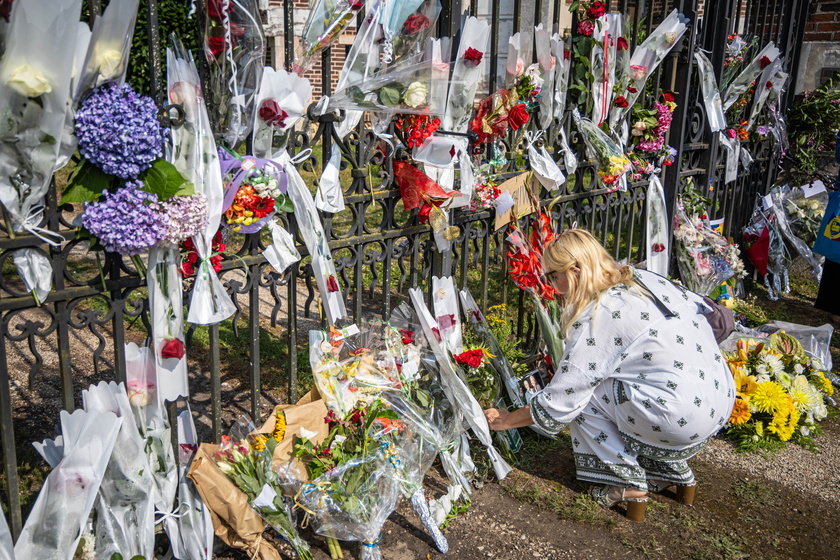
(279, 426)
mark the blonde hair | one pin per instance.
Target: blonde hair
(598, 271)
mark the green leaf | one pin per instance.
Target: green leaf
(284, 204)
(356, 94)
(575, 5)
(164, 180)
(389, 96)
(86, 184)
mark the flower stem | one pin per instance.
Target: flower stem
(335, 548)
(138, 264)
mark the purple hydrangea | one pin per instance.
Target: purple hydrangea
(119, 131)
(185, 216)
(128, 221)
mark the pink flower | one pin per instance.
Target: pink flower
(731, 132)
(638, 72)
(520, 66)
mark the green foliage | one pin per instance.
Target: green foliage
(164, 180)
(813, 122)
(86, 184)
(172, 18)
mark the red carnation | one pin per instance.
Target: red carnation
(668, 97)
(172, 348)
(416, 23)
(518, 116)
(620, 101)
(586, 27)
(763, 62)
(622, 44)
(472, 57)
(272, 114)
(596, 10)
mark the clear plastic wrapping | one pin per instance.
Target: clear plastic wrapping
(611, 163)
(711, 95)
(799, 219)
(742, 82)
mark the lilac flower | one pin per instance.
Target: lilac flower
(119, 132)
(128, 221)
(761, 130)
(185, 216)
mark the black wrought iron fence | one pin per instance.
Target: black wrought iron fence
(49, 350)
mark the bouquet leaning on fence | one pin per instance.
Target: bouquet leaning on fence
(610, 161)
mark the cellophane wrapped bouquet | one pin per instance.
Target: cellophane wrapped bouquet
(245, 457)
(799, 217)
(705, 258)
(611, 163)
(781, 394)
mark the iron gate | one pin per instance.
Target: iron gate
(48, 352)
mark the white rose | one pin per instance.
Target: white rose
(29, 82)
(110, 63)
(415, 94)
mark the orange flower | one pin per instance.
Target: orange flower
(740, 413)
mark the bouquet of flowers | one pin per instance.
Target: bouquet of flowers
(780, 394)
(79, 459)
(648, 130)
(525, 268)
(765, 247)
(705, 258)
(281, 103)
(611, 163)
(799, 217)
(711, 93)
(234, 46)
(469, 62)
(646, 58)
(254, 190)
(247, 461)
(496, 114)
(744, 80)
(108, 48)
(410, 88)
(326, 22)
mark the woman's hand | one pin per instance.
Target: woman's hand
(497, 418)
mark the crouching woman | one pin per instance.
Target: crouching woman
(642, 385)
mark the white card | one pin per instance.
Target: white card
(504, 202)
(266, 498)
(768, 202)
(813, 189)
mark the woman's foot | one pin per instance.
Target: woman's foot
(609, 496)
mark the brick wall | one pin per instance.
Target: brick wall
(824, 21)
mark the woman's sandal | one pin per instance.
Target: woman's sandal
(608, 496)
(685, 492)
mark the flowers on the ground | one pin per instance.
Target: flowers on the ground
(119, 131)
(780, 393)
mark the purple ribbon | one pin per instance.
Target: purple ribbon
(234, 174)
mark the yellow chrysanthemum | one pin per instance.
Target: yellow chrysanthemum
(768, 397)
(785, 421)
(279, 426)
(824, 384)
(740, 413)
(805, 398)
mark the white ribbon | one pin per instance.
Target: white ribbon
(174, 514)
(29, 224)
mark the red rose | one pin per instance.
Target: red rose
(668, 97)
(518, 116)
(216, 45)
(446, 322)
(566, 54)
(356, 5)
(332, 285)
(620, 101)
(216, 8)
(631, 89)
(471, 358)
(172, 348)
(731, 132)
(763, 62)
(658, 247)
(622, 44)
(407, 336)
(272, 114)
(187, 269)
(769, 85)
(586, 27)
(596, 10)
(472, 57)
(416, 23)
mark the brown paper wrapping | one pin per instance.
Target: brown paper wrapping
(234, 521)
(307, 413)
